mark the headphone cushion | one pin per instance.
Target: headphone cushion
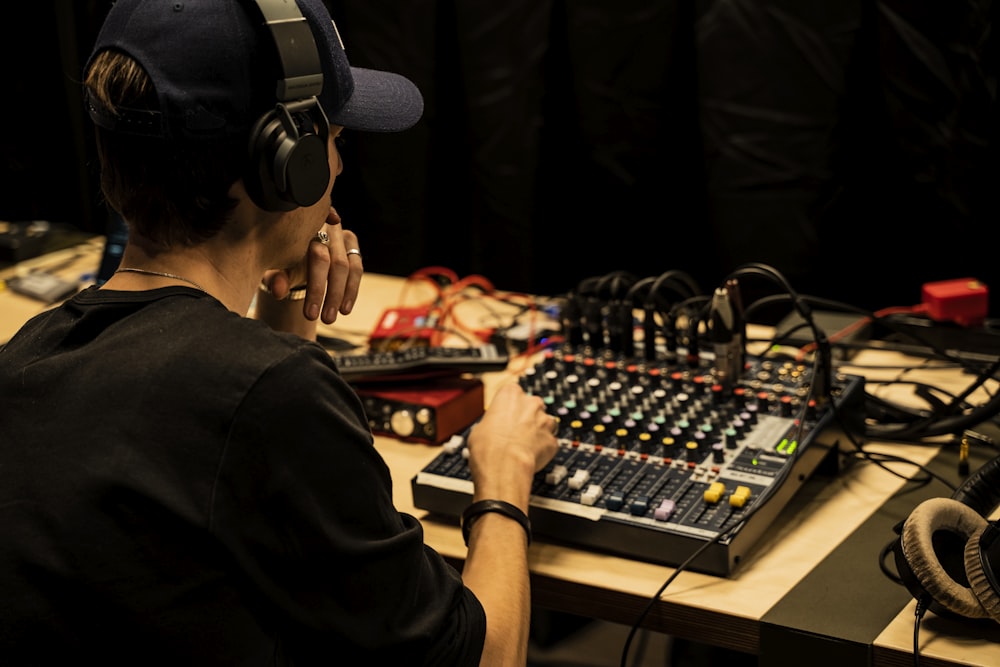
(978, 581)
(929, 517)
(287, 167)
(305, 170)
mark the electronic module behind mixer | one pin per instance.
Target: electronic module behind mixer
(658, 459)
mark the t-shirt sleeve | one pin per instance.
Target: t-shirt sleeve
(303, 504)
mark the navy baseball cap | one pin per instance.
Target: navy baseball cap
(214, 65)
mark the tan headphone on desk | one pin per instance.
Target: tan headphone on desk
(948, 553)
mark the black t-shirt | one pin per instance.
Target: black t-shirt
(182, 485)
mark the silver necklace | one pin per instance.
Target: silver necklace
(129, 269)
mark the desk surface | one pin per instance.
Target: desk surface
(811, 586)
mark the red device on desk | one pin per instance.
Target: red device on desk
(429, 411)
(403, 326)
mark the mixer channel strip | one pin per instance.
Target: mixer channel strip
(657, 461)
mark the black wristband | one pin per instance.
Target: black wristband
(477, 509)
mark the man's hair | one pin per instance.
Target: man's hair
(171, 193)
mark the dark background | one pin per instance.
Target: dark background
(850, 144)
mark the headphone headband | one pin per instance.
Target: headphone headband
(301, 72)
(287, 149)
(981, 491)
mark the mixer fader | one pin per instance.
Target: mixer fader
(657, 459)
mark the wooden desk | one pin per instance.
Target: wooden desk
(811, 591)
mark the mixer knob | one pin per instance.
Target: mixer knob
(787, 404)
(556, 475)
(639, 505)
(740, 395)
(403, 423)
(579, 478)
(562, 415)
(668, 443)
(646, 440)
(614, 501)
(740, 496)
(590, 496)
(715, 491)
(625, 437)
(691, 447)
(665, 509)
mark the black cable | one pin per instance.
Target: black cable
(932, 426)
(656, 596)
(682, 283)
(918, 616)
(883, 555)
(880, 458)
(823, 367)
(888, 321)
(723, 531)
(690, 308)
(639, 291)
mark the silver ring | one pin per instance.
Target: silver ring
(353, 251)
(322, 237)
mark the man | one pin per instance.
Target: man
(182, 484)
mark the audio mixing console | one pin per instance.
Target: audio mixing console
(657, 460)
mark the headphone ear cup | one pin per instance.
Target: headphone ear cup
(979, 582)
(932, 539)
(287, 168)
(301, 167)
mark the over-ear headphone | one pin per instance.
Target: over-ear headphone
(288, 164)
(948, 553)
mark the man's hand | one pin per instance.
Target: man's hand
(331, 273)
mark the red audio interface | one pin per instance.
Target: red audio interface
(429, 411)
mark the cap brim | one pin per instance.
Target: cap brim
(381, 102)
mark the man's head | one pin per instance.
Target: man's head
(249, 86)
